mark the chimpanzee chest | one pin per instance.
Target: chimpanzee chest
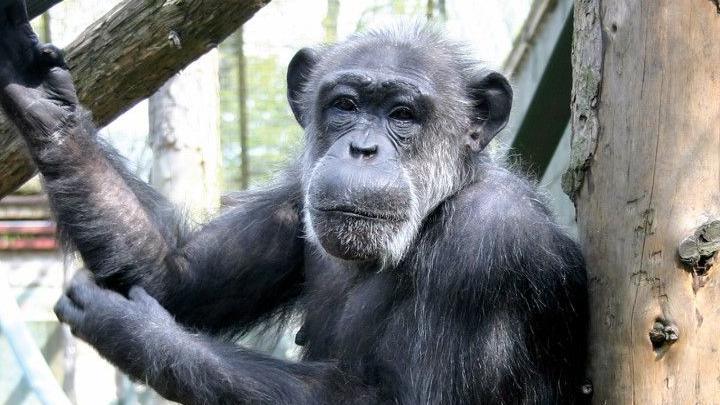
(348, 313)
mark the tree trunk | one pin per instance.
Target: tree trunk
(645, 171)
(430, 10)
(242, 111)
(46, 35)
(330, 22)
(185, 137)
(442, 10)
(127, 55)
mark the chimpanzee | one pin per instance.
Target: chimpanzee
(424, 272)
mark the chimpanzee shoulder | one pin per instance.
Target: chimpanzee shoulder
(499, 231)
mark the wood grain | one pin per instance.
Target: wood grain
(645, 178)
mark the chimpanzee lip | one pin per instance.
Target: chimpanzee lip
(352, 211)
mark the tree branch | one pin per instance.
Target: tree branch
(125, 56)
(37, 7)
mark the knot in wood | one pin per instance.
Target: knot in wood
(174, 39)
(698, 250)
(662, 334)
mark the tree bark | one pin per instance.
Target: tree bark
(127, 55)
(645, 171)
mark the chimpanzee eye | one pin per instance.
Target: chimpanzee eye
(345, 104)
(402, 114)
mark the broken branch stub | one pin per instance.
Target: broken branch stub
(662, 334)
(699, 249)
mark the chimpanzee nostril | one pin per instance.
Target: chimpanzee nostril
(366, 151)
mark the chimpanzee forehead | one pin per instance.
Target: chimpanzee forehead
(390, 59)
(377, 82)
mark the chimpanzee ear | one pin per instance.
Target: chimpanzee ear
(491, 95)
(299, 71)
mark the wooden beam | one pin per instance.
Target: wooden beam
(539, 68)
(34, 7)
(548, 113)
(125, 56)
(37, 7)
(35, 370)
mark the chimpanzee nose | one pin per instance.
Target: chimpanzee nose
(363, 150)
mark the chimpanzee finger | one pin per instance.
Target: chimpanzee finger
(49, 56)
(82, 289)
(67, 312)
(138, 294)
(59, 84)
(17, 96)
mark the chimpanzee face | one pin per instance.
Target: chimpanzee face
(389, 130)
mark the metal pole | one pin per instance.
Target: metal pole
(36, 370)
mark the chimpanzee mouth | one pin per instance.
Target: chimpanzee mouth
(355, 212)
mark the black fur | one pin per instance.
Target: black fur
(481, 301)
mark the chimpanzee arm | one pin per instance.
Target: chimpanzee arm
(242, 267)
(126, 232)
(141, 338)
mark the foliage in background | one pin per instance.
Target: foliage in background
(273, 133)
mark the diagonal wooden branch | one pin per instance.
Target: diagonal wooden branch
(34, 7)
(37, 7)
(125, 56)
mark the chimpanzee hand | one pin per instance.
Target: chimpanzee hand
(36, 89)
(123, 330)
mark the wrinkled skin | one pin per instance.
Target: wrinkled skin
(37, 87)
(404, 248)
